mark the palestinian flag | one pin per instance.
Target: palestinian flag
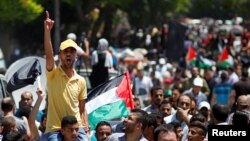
(205, 62)
(110, 100)
(224, 59)
(191, 56)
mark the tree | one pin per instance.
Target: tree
(19, 10)
(12, 14)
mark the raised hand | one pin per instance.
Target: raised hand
(48, 23)
(183, 114)
(39, 93)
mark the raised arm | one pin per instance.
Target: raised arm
(32, 118)
(86, 46)
(48, 25)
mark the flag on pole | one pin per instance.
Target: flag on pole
(110, 100)
(191, 56)
(224, 59)
(205, 62)
(24, 76)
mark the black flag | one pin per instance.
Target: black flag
(26, 75)
(175, 42)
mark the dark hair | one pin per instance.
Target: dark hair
(152, 119)
(164, 128)
(142, 117)
(102, 123)
(220, 112)
(155, 88)
(136, 99)
(198, 117)
(13, 136)
(244, 73)
(241, 118)
(200, 125)
(224, 76)
(68, 120)
(7, 104)
(25, 111)
(176, 124)
(43, 116)
(166, 101)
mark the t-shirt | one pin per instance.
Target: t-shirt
(64, 94)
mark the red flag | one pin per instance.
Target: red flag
(191, 55)
(224, 55)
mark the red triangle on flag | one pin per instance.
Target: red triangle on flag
(191, 54)
(224, 55)
(124, 91)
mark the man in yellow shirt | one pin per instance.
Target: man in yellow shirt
(67, 90)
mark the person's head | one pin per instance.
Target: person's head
(219, 113)
(208, 74)
(8, 105)
(157, 95)
(42, 126)
(242, 103)
(184, 102)
(103, 130)
(241, 118)
(230, 70)
(68, 55)
(153, 122)
(193, 109)
(224, 76)
(198, 117)
(137, 103)
(135, 122)
(103, 45)
(72, 36)
(165, 108)
(204, 108)
(195, 71)
(167, 83)
(197, 131)
(165, 132)
(25, 111)
(69, 128)
(178, 129)
(26, 99)
(197, 85)
(175, 95)
(245, 73)
(9, 124)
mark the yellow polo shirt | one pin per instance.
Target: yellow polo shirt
(64, 94)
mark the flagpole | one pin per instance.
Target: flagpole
(39, 82)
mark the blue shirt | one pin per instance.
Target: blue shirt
(222, 92)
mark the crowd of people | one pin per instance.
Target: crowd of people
(173, 100)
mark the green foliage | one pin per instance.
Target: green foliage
(19, 10)
(219, 9)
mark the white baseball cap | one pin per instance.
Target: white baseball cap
(198, 82)
(204, 104)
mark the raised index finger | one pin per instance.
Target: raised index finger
(47, 14)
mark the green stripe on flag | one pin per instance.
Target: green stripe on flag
(193, 62)
(108, 112)
(224, 64)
